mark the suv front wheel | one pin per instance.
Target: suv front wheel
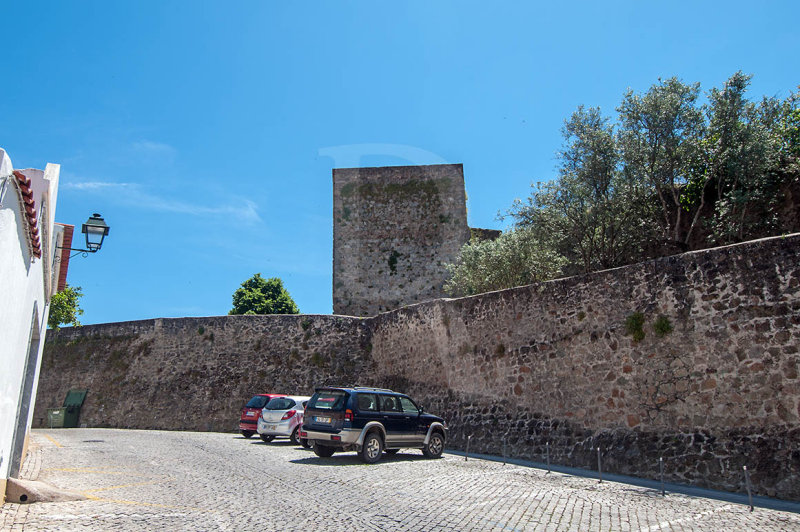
(372, 448)
(435, 446)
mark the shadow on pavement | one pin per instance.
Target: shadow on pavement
(352, 459)
(284, 444)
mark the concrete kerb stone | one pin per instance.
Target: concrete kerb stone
(23, 491)
(683, 489)
(14, 512)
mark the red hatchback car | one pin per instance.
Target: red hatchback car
(248, 423)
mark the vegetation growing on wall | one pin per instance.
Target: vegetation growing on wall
(634, 326)
(386, 191)
(662, 326)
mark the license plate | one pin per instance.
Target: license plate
(250, 413)
(272, 427)
(320, 419)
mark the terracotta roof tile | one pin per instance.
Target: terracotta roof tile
(30, 213)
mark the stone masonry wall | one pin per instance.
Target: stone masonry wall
(715, 389)
(711, 386)
(195, 373)
(393, 230)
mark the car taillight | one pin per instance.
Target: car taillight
(303, 434)
(348, 415)
(288, 414)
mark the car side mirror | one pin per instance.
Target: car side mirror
(422, 410)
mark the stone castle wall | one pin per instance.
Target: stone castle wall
(712, 386)
(715, 389)
(195, 373)
(394, 228)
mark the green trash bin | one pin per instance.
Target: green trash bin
(71, 415)
(72, 408)
(55, 417)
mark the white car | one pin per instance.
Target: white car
(282, 417)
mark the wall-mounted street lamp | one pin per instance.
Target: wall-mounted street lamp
(95, 230)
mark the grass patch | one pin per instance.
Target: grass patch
(634, 326)
(662, 326)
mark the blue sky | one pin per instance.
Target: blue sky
(205, 132)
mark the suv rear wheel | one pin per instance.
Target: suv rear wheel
(323, 451)
(372, 448)
(435, 446)
(247, 433)
(266, 439)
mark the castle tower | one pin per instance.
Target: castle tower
(394, 229)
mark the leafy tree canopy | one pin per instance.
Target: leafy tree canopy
(64, 307)
(514, 259)
(594, 214)
(263, 296)
(672, 173)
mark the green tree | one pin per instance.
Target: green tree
(593, 214)
(669, 175)
(789, 130)
(515, 258)
(659, 138)
(742, 157)
(64, 307)
(789, 141)
(263, 296)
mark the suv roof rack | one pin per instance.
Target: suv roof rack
(355, 388)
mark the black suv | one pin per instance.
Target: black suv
(370, 421)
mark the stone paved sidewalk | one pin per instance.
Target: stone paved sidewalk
(152, 480)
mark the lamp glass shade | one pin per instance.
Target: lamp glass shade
(95, 229)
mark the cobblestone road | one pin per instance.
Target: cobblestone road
(153, 480)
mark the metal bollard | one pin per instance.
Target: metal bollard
(749, 487)
(599, 466)
(547, 451)
(661, 474)
(466, 452)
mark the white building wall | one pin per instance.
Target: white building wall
(25, 288)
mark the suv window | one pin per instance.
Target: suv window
(408, 406)
(257, 402)
(328, 400)
(280, 403)
(367, 402)
(389, 403)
